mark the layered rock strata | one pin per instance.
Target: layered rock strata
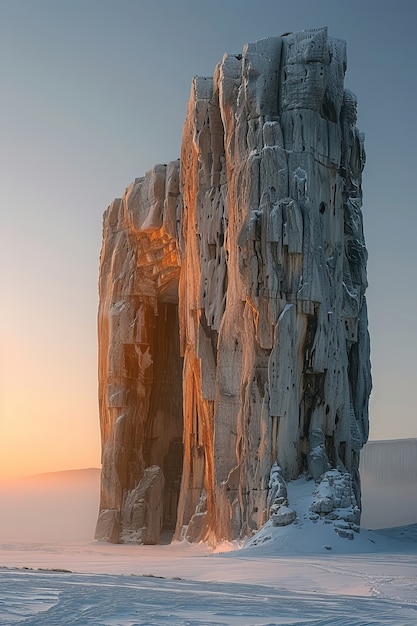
(232, 319)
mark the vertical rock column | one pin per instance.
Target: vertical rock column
(232, 323)
(139, 363)
(273, 314)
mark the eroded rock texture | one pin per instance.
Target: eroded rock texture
(232, 319)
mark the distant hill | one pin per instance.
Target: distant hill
(388, 471)
(65, 477)
(50, 507)
(389, 458)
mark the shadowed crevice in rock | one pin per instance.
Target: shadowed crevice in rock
(164, 426)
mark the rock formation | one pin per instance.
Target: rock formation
(232, 319)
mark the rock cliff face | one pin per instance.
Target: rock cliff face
(233, 332)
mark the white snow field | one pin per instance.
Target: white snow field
(302, 574)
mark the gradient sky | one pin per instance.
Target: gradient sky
(93, 94)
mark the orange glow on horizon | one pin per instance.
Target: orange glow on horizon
(44, 428)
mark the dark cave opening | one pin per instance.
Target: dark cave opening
(164, 432)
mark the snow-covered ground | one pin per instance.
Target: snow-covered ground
(179, 584)
(302, 574)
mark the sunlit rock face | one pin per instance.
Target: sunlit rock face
(232, 319)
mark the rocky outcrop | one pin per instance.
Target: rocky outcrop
(232, 318)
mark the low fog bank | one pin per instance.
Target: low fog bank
(389, 483)
(52, 507)
(62, 506)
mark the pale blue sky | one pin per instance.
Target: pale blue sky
(93, 94)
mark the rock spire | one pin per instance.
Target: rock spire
(233, 334)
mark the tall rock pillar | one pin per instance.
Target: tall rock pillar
(268, 264)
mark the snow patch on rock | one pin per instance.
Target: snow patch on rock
(325, 515)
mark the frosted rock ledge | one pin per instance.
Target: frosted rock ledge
(233, 333)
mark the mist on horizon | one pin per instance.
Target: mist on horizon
(52, 507)
(62, 507)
